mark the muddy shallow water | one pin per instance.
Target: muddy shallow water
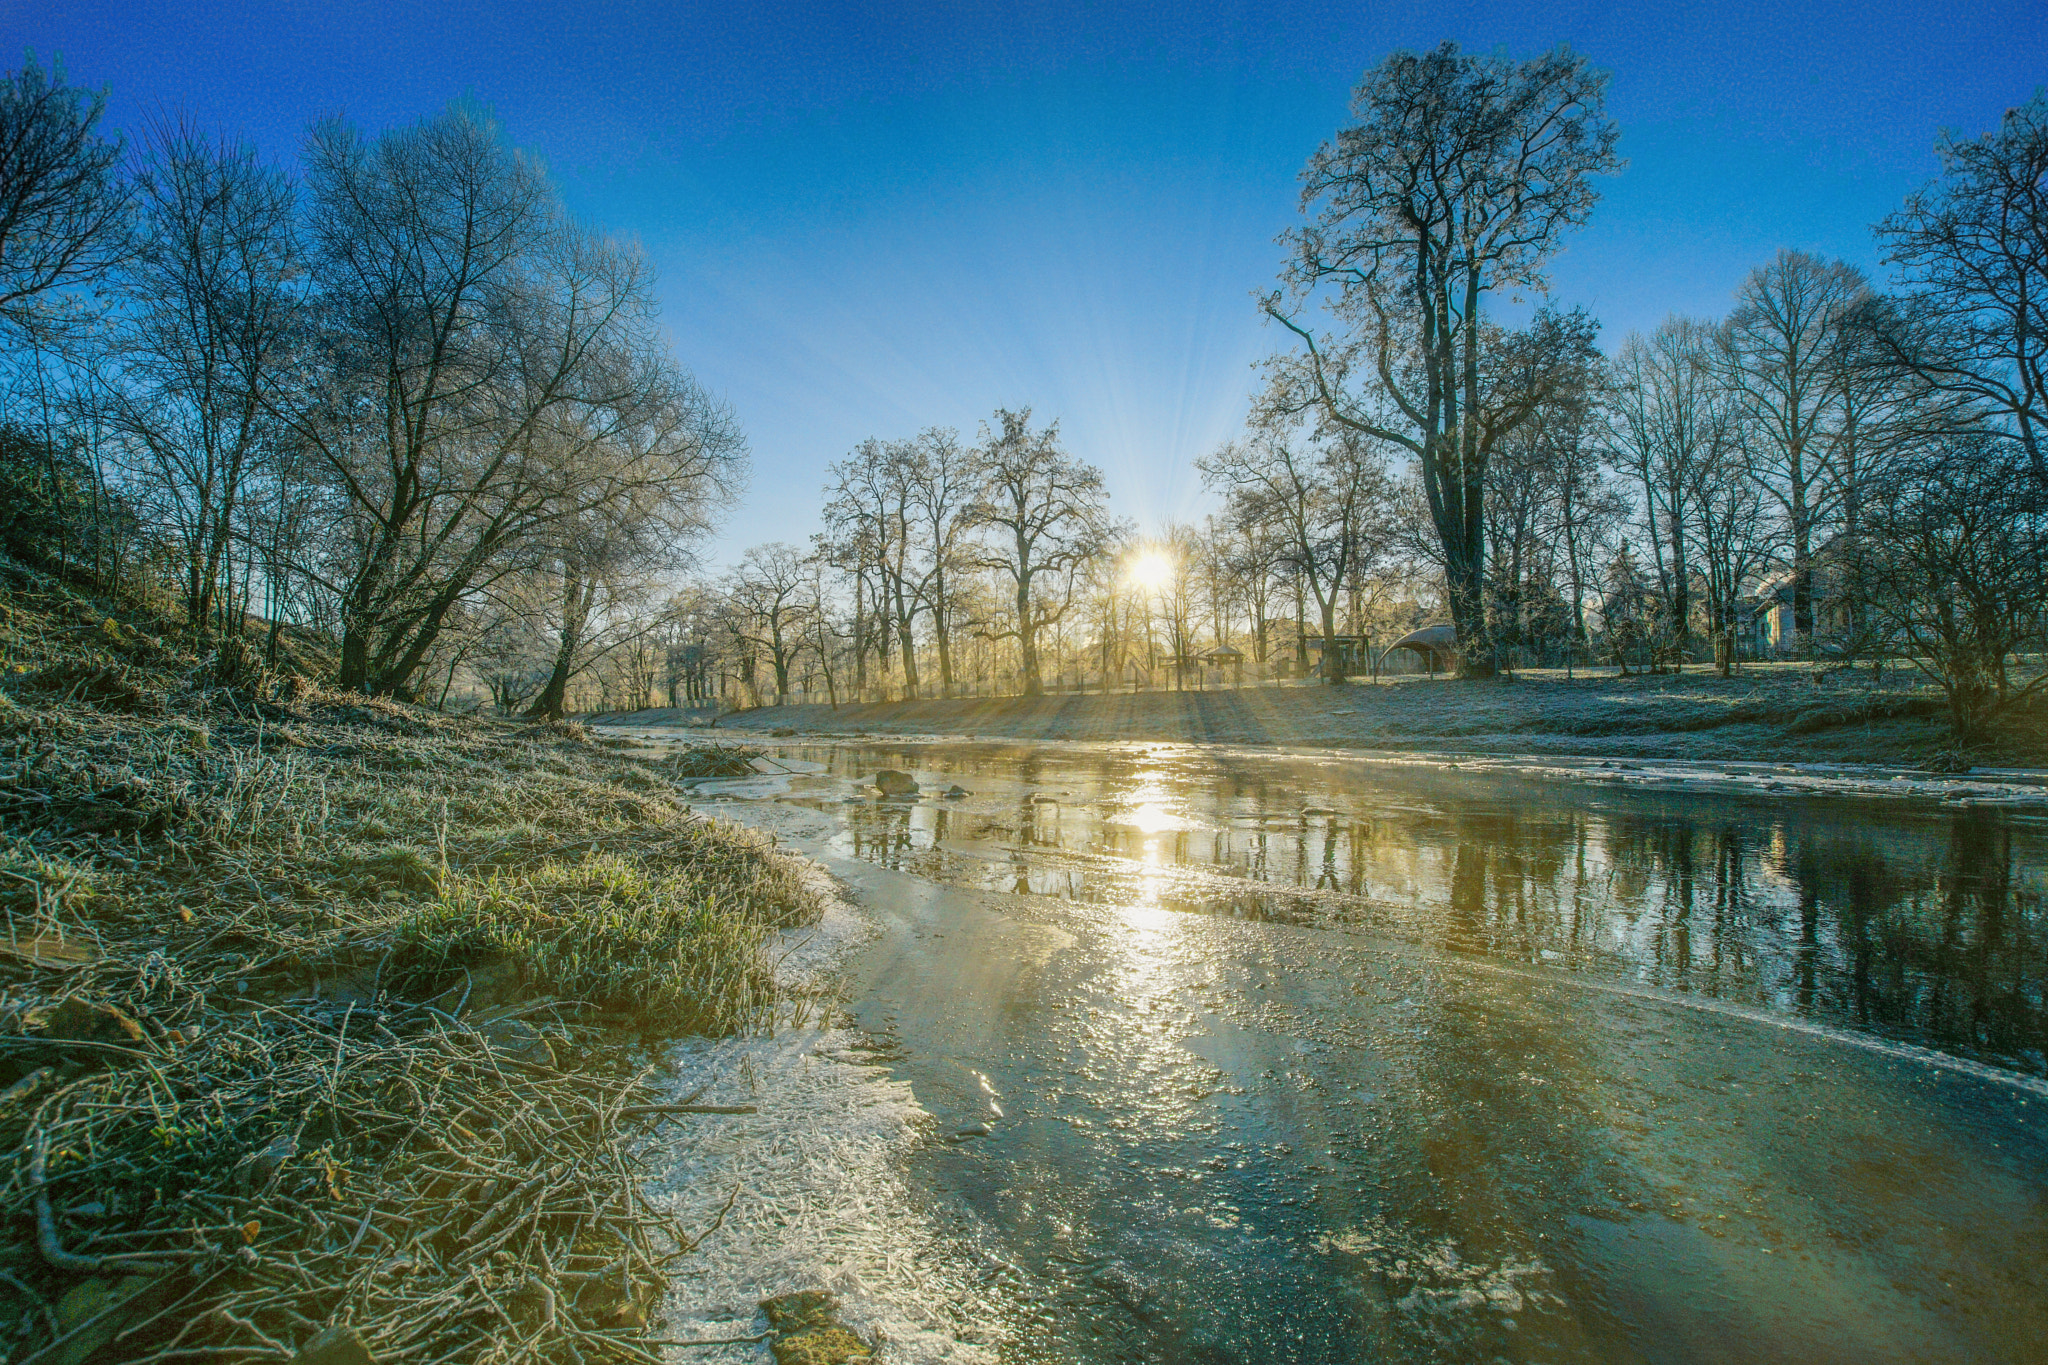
(1249, 1058)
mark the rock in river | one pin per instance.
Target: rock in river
(892, 783)
(808, 1331)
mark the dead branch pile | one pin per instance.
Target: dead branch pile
(701, 762)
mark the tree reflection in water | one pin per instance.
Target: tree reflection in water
(1921, 925)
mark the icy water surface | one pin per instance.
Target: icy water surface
(1246, 1058)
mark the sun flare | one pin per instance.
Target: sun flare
(1150, 569)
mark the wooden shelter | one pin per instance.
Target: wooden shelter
(1438, 646)
(1230, 657)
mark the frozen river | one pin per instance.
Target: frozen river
(1238, 1057)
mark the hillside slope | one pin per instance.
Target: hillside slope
(320, 1014)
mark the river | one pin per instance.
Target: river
(1235, 1057)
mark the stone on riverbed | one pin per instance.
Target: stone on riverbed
(890, 782)
(808, 1330)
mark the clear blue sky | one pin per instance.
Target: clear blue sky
(873, 218)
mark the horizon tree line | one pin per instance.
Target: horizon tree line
(405, 399)
(1414, 455)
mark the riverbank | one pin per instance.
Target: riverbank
(326, 1022)
(1772, 715)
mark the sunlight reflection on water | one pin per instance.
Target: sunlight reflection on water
(1320, 1079)
(1924, 926)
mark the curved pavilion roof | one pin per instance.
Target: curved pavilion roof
(1441, 641)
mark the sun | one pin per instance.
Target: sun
(1149, 569)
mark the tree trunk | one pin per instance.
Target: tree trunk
(352, 672)
(904, 637)
(1333, 657)
(1681, 579)
(1027, 628)
(1463, 580)
(577, 596)
(1027, 637)
(941, 635)
(1300, 635)
(1802, 559)
(860, 639)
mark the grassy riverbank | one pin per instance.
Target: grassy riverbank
(317, 1010)
(1779, 715)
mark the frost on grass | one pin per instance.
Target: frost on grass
(319, 1010)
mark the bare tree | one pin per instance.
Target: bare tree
(1044, 510)
(1109, 600)
(869, 512)
(1631, 616)
(63, 226)
(944, 478)
(1731, 524)
(204, 341)
(1519, 494)
(818, 609)
(899, 513)
(486, 363)
(1223, 589)
(63, 203)
(1781, 363)
(508, 646)
(631, 507)
(594, 580)
(692, 621)
(1972, 249)
(1586, 512)
(1958, 576)
(769, 596)
(849, 547)
(1664, 415)
(1176, 595)
(1256, 552)
(1459, 178)
(1328, 501)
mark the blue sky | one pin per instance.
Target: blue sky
(873, 218)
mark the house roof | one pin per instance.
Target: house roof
(1429, 640)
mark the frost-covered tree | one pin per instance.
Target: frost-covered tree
(1043, 513)
(1781, 357)
(1327, 499)
(205, 343)
(1972, 252)
(1457, 179)
(63, 202)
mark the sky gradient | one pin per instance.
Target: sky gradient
(870, 219)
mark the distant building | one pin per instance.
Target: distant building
(1435, 646)
(1769, 625)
